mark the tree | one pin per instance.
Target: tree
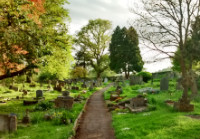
(124, 51)
(56, 58)
(94, 39)
(165, 25)
(19, 39)
(29, 30)
(79, 72)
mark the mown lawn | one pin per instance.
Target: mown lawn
(39, 128)
(162, 122)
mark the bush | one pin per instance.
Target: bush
(46, 76)
(62, 117)
(146, 76)
(45, 105)
(36, 117)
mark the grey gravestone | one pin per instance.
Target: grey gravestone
(164, 84)
(105, 80)
(39, 93)
(136, 80)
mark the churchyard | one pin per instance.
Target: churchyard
(139, 109)
(40, 111)
(160, 120)
(120, 77)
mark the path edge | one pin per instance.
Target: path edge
(77, 121)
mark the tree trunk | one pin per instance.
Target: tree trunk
(194, 88)
(98, 75)
(127, 75)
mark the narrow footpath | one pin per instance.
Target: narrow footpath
(96, 122)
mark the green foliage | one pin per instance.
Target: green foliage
(158, 121)
(40, 35)
(124, 51)
(79, 72)
(93, 40)
(43, 106)
(146, 75)
(37, 117)
(18, 32)
(46, 76)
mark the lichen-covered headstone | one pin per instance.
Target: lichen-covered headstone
(136, 80)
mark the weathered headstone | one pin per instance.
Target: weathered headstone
(8, 123)
(39, 93)
(136, 80)
(64, 101)
(138, 101)
(137, 104)
(105, 80)
(26, 118)
(164, 84)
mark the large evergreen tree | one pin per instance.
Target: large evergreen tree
(124, 51)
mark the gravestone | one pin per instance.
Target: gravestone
(91, 87)
(64, 101)
(137, 104)
(164, 84)
(39, 93)
(138, 101)
(26, 118)
(13, 88)
(8, 123)
(136, 80)
(29, 102)
(105, 80)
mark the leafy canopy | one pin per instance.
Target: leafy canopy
(93, 40)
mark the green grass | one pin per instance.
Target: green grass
(39, 128)
(162, 123)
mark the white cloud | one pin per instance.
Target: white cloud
(117, 11)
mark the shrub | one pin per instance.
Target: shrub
(45, 76)
(62, 117)
(45, 105)
(36, 117)
(146, 75)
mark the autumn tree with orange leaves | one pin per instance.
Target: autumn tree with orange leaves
(29, 30)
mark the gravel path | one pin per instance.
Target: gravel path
(96, 122)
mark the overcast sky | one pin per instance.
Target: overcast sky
(117, 11)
